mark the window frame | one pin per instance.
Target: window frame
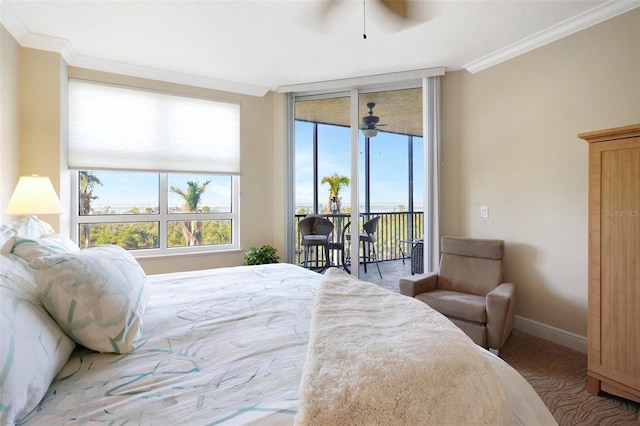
(429, 81)
(163, 217)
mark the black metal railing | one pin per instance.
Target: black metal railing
(395, 230)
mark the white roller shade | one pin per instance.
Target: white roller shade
(114, 127)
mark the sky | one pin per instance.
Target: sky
(123, 190)
(389, 165)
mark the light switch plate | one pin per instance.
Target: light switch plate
(484, 211)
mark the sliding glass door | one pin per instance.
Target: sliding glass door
(389, 171)
(390, 178)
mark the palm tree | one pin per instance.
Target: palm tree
(87, 184)
(191, 230)
(336, 183)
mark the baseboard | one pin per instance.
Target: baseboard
(552, 334)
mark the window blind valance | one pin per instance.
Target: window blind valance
(114, 127)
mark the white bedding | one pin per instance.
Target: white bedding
(223, 346)
(378, 357)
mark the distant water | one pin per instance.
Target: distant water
(377, 208)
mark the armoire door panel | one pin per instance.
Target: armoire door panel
(614, 261)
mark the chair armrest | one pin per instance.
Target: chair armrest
(416, 284)
(500, 314)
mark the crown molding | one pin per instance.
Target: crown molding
(167, 76)
(64, 47)
(586, 19)
(50, 44)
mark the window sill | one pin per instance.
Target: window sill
(173, 254)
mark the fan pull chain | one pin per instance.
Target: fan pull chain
(364, 19)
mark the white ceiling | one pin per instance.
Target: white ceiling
(254, 46)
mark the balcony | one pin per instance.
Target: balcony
(393, 228)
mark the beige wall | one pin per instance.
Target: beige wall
(9, 112)
(510, 144)
(42, 84)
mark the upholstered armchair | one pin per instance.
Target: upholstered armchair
(468, 289)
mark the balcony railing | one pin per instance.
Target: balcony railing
(393, 228)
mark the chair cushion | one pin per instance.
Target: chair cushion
(314, 240)
(459, 305)
(370, 238)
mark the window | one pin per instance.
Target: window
(154, 173)
(124, 208)
(321, 151)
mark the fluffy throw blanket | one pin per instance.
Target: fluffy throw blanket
(380, 358)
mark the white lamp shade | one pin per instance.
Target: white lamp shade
(35, 195)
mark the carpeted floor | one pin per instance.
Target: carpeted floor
(558, 375)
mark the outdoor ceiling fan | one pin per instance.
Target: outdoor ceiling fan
(370, 123)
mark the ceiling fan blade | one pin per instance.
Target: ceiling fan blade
(326, 6)
(399, 8)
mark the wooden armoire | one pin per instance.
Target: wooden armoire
(614, 261)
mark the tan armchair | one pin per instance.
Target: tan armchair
(469, 290)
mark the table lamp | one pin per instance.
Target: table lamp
(34, 195)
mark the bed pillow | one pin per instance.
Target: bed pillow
(33, 348)
(6, 232)
(97, 296)
(29, 227)
(31, 248)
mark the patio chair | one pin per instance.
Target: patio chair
(315, 231)
(337, 244)
(368, 239)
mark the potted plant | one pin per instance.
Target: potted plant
(261, 255)
(336, 182)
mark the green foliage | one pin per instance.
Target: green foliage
(131, 236)
(191, 229)
(192, 195)
(261, 255)
(87, 183)
(144, 235)
(336, 183)
(213, 232)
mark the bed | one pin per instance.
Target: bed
(269, 344)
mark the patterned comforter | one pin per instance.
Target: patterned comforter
(222, 345)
